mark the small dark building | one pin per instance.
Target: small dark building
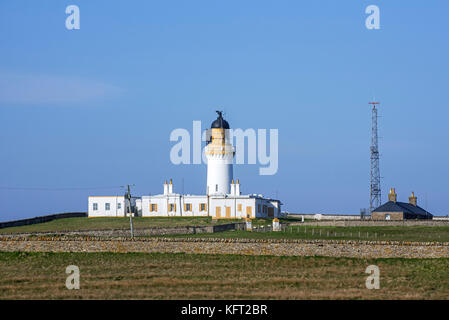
(394, 210)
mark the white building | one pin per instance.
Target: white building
(223, 198)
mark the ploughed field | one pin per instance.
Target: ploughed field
(196, 276)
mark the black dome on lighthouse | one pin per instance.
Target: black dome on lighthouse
(220, 123)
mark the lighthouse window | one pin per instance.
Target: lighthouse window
(216, 187)
(107, 206)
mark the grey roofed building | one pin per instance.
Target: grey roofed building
(413, 212)
(394, 210)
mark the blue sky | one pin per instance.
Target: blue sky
(94, 108)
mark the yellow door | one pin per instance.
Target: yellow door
(218, 212)
(228, 212)
(249, 212)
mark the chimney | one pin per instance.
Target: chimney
(237, 188)
(392, 196)
(412, 199)
(165, 187)
(232, 188)
(170, 187)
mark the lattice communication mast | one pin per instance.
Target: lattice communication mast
(375, 194)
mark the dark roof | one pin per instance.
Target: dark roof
(220, 122)
(392, 206)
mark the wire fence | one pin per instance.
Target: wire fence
(323, 233)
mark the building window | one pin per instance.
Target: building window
(387, 217)
(239, 207)
(202, 207)
(264, 209)
(119, 205)
(216, 188)
(95, 206)
(107, 206)
(249, 212)
(153, 207)
(187, 207)
(258, 208)
(172, 207)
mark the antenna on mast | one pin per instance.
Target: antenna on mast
(375, 190)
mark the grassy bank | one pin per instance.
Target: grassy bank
(182, 276)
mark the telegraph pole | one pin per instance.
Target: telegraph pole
(375, 192)
(129, 209)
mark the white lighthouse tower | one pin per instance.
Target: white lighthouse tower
(220, 157)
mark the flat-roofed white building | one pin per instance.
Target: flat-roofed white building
(216, 206)
(223, 198)
(108, 206)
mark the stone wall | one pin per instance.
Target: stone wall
(393, 215)
(281, 247)
(373, 223)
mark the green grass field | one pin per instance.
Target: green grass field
(184, 276)
(70, 224)
(399, 233)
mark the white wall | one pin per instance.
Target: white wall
(233, 203)
(261, 213)
(219, 174)
(163, 201)
(114, 203)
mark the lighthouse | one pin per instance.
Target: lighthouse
(223, 198)
(220, 157)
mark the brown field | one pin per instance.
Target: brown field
(183, 276)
